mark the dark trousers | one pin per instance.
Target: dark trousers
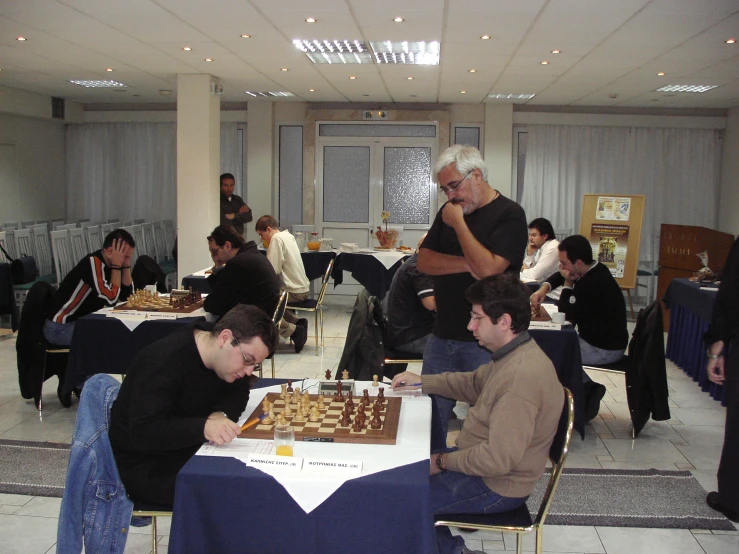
(728, 483)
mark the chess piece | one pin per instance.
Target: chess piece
(296, 395)
(381, 396)
(375, 381)
(289, 385)
(314, 415)
(299, 418)
(266, 420)
(339, 397)
(375, 423)
(349, 399)
(349, 408)
(283, 393)
(281, 419)
(328, 374)
(265, 405)
(287, 412)
(345, 375)
(357, 427)
(345, 420)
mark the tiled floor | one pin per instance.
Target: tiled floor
(690, 440)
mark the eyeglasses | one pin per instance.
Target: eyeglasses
(475, 317)
(214, 251)
(454, 185)
(247, 361)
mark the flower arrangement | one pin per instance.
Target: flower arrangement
(387, 237)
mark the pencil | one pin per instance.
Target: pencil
(250, 423)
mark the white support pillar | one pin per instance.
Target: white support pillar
(498, 152)
(260, 180)
(198, 164)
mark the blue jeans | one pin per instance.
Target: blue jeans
(456, 493)
(442, 356)
(58, 333)
(598, 356)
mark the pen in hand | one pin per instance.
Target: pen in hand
(403, 384)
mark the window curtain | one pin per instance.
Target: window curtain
(129, 170)
(678, 171)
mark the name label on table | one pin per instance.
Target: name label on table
(271, 461)
(347, 467)
(161, 316)
(126, 313)
(546, 325)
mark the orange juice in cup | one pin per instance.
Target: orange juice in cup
(284, 450)
(284, 440)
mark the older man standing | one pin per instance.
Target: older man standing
(477, 233)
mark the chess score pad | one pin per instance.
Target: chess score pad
(327, 428)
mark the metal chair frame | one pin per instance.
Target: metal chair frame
(153, 514)
(558, 460)
(276, 319)
(318, 308)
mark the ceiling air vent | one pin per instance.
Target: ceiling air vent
(57, 108)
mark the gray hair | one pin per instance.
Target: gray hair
(465, 159)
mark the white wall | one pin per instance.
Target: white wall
(38, 147)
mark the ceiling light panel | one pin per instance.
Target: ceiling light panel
(357, 52)
(98, 84)
(269, 94)
(686, 88)
(511, 96)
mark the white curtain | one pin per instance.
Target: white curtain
(129, 170)
(677, 170)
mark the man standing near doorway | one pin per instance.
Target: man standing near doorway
(234, 211)
(477, 233)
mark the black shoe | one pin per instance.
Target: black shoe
(299, 336)
(593, 395)
(302, 321)
(65, 399)
(714, 502)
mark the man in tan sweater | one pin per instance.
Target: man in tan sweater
(516, 402)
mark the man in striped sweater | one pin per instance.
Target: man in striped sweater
(101, 279)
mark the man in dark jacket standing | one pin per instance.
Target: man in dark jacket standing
(234, 211)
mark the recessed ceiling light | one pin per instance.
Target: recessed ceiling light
(462, 92)
(245, 36)
(473, 70)
(398, 20)
(352, 77)
(731, 41)
(311, 90)
(686, 88)
(661, 73)
(208, 59)
(21, 39)
(414, 95)
(511, 96)
(283, 69)
(485, 37)
(108, 69)
(310, 20)
(556, 51)
(365, 95)
(97, 83)
(187, 49)
(544, 62)
(409, 78)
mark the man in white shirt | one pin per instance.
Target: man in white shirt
(542, 256)
(284, 255)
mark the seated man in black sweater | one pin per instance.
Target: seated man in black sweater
(181, 391)
(592, 300)
(243, 275)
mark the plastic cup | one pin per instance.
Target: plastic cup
(558, 317)
(284, 440)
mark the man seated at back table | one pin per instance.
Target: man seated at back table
(181, 391)
(592, 300)
(541, 258)
(284, 255)
(246, 277)
(99, 280)
(516, 401)
(411, 308)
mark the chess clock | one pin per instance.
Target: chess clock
(329, 387)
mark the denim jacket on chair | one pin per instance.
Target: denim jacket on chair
(95, 506)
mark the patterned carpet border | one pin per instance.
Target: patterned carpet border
(630, 498)
(33, 468)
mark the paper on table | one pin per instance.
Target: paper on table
(237, 448)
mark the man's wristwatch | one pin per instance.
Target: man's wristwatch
(712, 356)
(440, 462)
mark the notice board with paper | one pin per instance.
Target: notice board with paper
(612, 223)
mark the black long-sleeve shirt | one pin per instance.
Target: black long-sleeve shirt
(158, 420)
(725, 319)
(232, 206)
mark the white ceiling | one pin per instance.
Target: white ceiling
(609, 47)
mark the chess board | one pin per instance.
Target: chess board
(327, 428)
(162, 305)
(543, 316)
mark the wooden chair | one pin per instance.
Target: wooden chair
(315, 305)
(94, 238)
(276, 319)
(61, 251)
(78, 243)
(562, 233)
(519, 520)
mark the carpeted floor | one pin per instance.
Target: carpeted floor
(608, 498)
(629, 498)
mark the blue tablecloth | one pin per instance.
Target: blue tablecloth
(367, 270)
(7, 296)
(690, 315)
(105, 345)
(223, 506)
(563, 348)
